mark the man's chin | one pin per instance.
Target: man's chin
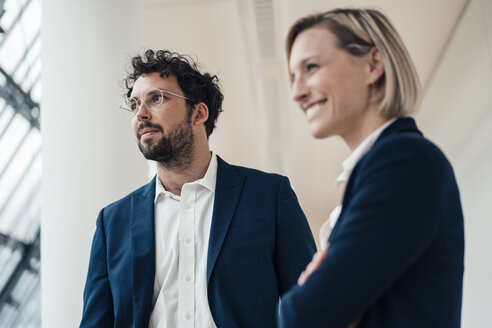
(146, 149)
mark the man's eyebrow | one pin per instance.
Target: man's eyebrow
(146, 92)
(131, 95)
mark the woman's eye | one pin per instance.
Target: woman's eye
(310, 67)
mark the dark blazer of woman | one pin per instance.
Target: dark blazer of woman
(396, 252)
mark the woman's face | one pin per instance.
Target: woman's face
(330, 85)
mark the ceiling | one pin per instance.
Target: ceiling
(242, 42)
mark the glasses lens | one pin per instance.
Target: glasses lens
(153, 99)
(132, 105)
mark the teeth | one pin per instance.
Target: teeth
(312, 111)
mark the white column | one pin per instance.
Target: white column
(90, 157)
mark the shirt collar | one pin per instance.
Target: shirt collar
(210, 178)
(208, 181)
(362, 149)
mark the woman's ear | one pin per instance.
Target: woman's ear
(200, 114)
(376, 65)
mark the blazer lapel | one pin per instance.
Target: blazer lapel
(143, 253)
(227, 192)
(400, 126)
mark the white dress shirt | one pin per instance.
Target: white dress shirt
(348, 166)
(182, 231)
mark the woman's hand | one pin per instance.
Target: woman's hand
(324, 233)
(319, 256)
(315, 263)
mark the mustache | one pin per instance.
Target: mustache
(145, 125)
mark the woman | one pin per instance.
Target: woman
(395, 255)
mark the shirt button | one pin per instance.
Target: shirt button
(187, 316)
(187, 278)
(188, 240)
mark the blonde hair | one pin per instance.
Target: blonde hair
(357, 32)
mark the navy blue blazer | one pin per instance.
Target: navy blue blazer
(259, 243)
(396, 252)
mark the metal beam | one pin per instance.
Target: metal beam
(19, 100)
(1, 13)
(18, 147)
(16, 20)
(6, 127)
(10, 242)
(29, 252)
(26, 52)
(21, 215)
(17, 185)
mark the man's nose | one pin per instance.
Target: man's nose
(143, 112)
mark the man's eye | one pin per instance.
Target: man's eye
(156, 99)
(133, 105)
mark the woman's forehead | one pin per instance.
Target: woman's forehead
(313, 42)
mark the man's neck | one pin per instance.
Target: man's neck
(173, 179)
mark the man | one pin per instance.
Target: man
(205, 243)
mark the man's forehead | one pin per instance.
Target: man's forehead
(150, 81)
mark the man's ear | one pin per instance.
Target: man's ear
(376, 65)
(200, 114)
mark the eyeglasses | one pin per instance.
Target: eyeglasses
(152, 100)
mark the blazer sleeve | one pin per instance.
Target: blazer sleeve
(295, 245)
(98, 300)
(388, 222)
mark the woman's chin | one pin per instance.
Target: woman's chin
(318, 132)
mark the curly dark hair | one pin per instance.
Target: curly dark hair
(196, 86)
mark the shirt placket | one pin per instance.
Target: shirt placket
(186, 271)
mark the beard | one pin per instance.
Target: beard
(174, 151)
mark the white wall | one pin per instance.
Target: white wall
(476, 196)
(457, 114)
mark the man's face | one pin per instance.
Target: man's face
(164, 134)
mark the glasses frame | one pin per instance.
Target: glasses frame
(139, 102)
